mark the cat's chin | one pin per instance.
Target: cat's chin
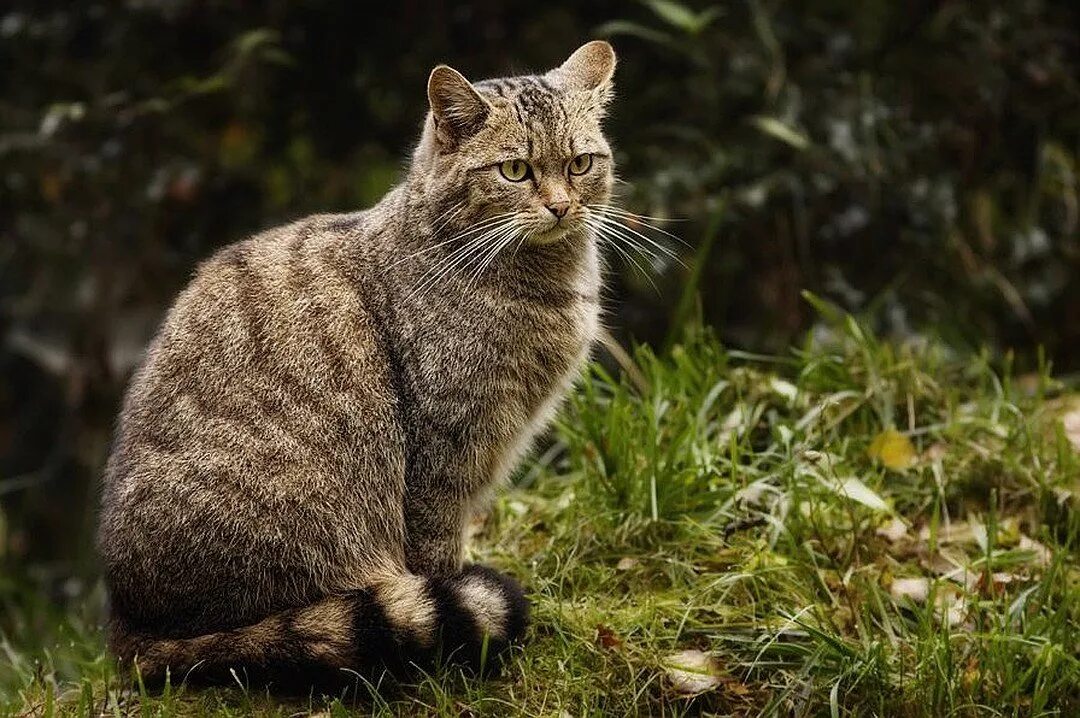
(555, 235)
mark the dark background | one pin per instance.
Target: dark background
(915, 162)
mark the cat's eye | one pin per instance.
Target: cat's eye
(580, 164)
(514, 170)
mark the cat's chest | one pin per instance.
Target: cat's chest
(489, 366)
(516, 348)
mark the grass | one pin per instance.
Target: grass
(735, 510)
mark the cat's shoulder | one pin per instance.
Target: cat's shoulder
(273, 244)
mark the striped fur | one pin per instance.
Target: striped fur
(400, 623)
(316, 420)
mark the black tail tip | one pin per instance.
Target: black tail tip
(482, 613)
(517, 603)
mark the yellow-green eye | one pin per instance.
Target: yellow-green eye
(580, 164)
(514, 170)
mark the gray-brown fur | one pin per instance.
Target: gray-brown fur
(317, 418)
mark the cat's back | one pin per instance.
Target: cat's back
(269, 327)
(265, 395)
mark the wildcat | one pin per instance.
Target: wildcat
(327, 402)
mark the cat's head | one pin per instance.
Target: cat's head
(519, 157)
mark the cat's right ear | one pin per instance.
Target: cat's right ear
(457, 108)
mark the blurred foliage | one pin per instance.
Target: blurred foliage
(915, 162)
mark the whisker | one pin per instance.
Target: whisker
(628, 213)
(641, 219)
(499, 243)
(621, 221)
(465, 253)
(446, 218)
(520, 243)
(630, 258)
(481, 225)
(463, 257)
(455, 257)
(623, 238)
(622, 228)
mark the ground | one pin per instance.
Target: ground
(856, 528)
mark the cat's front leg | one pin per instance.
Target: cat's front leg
(434, 532)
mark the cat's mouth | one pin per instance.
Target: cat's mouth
(558, 231)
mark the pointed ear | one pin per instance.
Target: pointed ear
(589, 68)
(456, 106)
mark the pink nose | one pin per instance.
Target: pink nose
(559, 209)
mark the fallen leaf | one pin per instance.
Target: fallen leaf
(691, 672)
(781, 131)
(893, 449)
(1042, 553)
(950, 608)
(755, 492)
(935, 452)
(895, 530)
(917, 589)
(952, 532)
(858, 491)
(1071, 422)
(949, 605)
(607, 638)
(996, 584)
(1062, 495)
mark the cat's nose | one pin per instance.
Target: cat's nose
(560, 208)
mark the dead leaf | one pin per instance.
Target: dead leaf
(692, 672)
(916, 589)
(607, 638)
(996, 584)
(1042, 553)
(785, 389)
(858, 491)
(893, 449)
(950, 608)
(894, 530)
(949, 605)
(935, 452)
(953, 532)
(1071, 422)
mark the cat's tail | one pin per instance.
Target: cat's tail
(400, 621)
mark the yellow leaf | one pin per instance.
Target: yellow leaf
(692, 672)
(892, 449)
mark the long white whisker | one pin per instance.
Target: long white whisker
(462, 257)
(452, 261)
(473, 229)
(622, 238)
(446, 218)
(520, 243)
(640, 219)
(499, 243)
(619, 227)
(628, 213)
(629, 233)
(630, 258)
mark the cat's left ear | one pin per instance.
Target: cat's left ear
(590, 68)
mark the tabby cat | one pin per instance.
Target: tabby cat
(328, 402)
